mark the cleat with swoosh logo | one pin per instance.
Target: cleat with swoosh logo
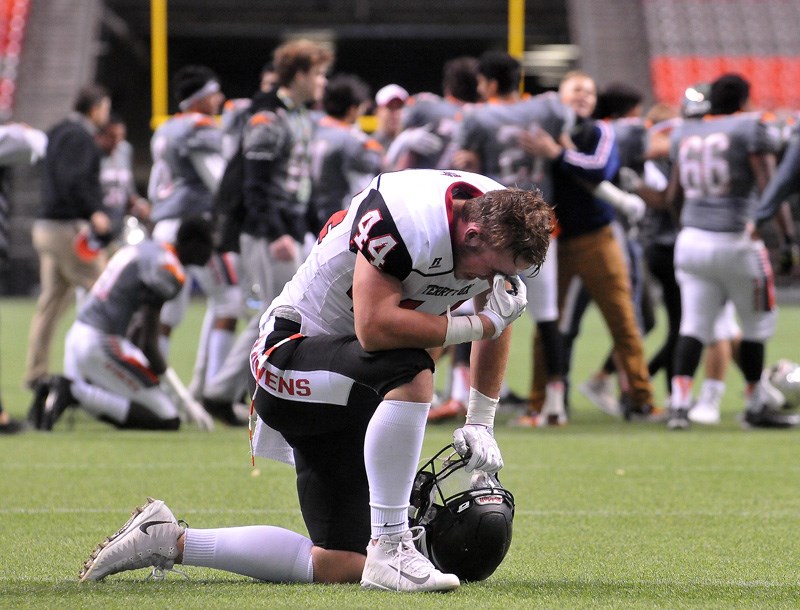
(148, 539)
(394, 564)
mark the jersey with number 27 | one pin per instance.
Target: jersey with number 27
(401, 223)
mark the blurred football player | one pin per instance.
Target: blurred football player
(489, 140)
(112, 362)
(19, 145)
(784, 183)
(717, 164)
(431, 123)
(187, 168)
(343, 159)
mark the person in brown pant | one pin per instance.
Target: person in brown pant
(71, 214)
(587, 248)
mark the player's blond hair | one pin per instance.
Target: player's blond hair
(515, 219)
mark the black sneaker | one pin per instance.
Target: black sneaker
(36, 410)
(513, 400)
(59, 398)
(678, 419)
(223, 411)
(12, 426)
(769, 418)
(643, 413)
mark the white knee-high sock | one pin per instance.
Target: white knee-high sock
(392, 446)
(99, 402)
(219, 345)
(264, 552)
(197, 383)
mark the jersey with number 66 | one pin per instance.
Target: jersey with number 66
(401, 223)
(715, 173)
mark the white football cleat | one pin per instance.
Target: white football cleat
(705, 413)
(706, 410)
(148, 539)
(395, 564)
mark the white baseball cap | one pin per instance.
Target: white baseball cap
(390, 92)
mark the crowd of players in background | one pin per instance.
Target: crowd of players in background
(669, 197)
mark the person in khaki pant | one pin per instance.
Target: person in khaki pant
(587, 248)
(72, 210)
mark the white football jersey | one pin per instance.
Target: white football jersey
(401, 223)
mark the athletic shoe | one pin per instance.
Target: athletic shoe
(767, 417)
(395, 564)
(224, 411)
(601, 393)
(449, 409)
(36, 410)
(641, 413)
(149, 538)
(511, 400)
(705, 413)
(529, 420)
(678, 419)
(553, 412)
(12, 426)
(59, 398)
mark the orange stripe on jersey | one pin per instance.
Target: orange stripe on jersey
(372, 144)
(175, 271)
(260, 119)
(329, 121)
(135, 364)
(204, 121)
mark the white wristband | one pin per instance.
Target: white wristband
(481, 408)
(462, 329)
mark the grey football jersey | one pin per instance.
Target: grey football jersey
(235, 114)
(146, 273)
(492, 130)
(343, 161)
(715, 173)
(442, 117)
(176, 190)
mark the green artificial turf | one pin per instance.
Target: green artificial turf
(609, 514)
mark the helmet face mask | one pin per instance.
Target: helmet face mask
(467, 517)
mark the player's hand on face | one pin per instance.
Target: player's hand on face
(503, 305)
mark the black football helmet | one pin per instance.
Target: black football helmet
(467, 517)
